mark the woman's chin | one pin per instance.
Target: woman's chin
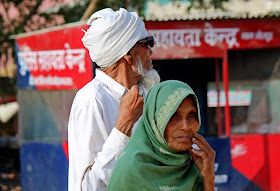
(183, 147)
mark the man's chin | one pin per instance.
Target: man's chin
(151, 79)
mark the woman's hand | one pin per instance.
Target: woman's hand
(204, 160)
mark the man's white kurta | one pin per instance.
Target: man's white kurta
(93, 141)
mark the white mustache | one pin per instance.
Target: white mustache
(150, 78)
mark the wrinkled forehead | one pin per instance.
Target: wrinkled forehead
(167, 107)
(194, 99)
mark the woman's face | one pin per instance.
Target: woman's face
(182, 125)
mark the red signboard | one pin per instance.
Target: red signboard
(256, 157)
(54, 60)
(200, 39)
(58, 59)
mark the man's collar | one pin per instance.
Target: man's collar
(118, 89)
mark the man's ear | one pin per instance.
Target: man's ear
(128, 59)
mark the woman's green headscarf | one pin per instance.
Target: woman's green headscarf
(147, 163)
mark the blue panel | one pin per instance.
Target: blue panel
(23, 75)
(240, 182)
(44, 167)
(223, 166)
(228, 178)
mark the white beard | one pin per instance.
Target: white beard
(150, 78)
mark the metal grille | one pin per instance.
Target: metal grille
(43, 115)
(259, 64)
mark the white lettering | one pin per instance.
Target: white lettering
(22, 64)
(50, 81)
(214, 35)
(238, 150)
(75, 57)
(57, 60)
(191, 37)
(247, 35)
(221, 178)
(180, 37)
(216, 166)
(31, 81)
(259, 35)
(267, 36)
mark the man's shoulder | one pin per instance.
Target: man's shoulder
(89, 91)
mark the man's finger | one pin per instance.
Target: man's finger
(134, 88)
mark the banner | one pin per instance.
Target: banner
(58, 59)
(53, 60)
(201, 39)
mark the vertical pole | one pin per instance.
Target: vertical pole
(218, 110)
(226, 87)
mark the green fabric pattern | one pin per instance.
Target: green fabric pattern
(147, 163)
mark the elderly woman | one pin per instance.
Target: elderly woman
(159, 155)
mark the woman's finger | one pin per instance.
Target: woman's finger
(200, 138)
(201, 154)
(204, 146)
(194, 156)
(201, 145)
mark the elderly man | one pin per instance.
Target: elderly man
(105, 110)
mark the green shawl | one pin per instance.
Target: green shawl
(147, 163)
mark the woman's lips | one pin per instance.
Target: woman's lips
(184, 139)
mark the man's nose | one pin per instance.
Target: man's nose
(150, 51)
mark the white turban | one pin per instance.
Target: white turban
(112, 34)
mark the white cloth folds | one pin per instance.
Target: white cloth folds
(112, 34)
